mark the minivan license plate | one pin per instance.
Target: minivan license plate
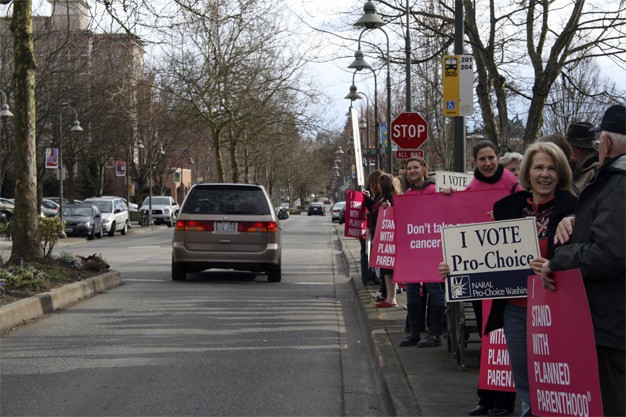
(225, 226)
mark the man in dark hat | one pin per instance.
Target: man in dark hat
(584, 156)
(595, 243)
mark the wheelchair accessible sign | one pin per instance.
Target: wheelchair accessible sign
(489, 260)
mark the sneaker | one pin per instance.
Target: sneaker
(429, 341)
(410, 340)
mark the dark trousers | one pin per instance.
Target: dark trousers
(611, 365)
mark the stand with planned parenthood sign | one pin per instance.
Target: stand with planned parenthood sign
(495, 366)
(355, 214)
(562, 361)
(383, 253)
(489, 260)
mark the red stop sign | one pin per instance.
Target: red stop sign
(409, 130)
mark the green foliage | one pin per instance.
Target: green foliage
(70, 260)
(3, 228)
(47, 273)
(23, 279)
(50, 229)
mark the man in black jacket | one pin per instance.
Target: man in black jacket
(594, 242)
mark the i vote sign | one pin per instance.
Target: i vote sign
(489, 260)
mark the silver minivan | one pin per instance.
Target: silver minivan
(114, 213)
(227, 226)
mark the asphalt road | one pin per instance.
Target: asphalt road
(220, 343)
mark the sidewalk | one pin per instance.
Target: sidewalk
(419, 381)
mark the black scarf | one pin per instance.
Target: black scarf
(489, 180)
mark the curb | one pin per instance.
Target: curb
(39, 305)
(399, 393)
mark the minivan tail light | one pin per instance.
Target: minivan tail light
(194, 225)
(252, 227)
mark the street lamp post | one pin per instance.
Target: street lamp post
(160, 152)
(371, 20)
(191, 162)
(75, 128)
(363, 124)
(359, 63)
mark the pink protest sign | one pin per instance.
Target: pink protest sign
(383, 246)
(355, 214)
(495, 367)
(562, 361)
(419, 219)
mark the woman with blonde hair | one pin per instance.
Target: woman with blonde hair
(547, 177)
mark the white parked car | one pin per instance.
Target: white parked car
(114, 213)
(164, 209)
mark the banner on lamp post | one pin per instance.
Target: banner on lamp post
(358, 157)
(52, 158)
(120, 168)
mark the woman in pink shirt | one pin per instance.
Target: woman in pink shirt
(419, 183)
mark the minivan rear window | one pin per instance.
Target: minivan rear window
(226, 199)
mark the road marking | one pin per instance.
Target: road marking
(144, 280)
(139, 247)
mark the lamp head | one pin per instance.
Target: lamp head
(5, 112)
(353, 95)
(370, 19)
(359, 63)
(76, 126)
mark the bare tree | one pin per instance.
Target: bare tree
(26, 234)
(520, 49)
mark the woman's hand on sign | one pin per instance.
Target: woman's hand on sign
(547, 278)
(444, 270)
(564, 230)
(446, 191)
(384, 204)
(367, 194)
(537, 263)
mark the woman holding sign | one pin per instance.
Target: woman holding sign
(417, 174)
(488, 175)
(388, 186)
(545, 171)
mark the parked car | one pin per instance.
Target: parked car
(229, 226)
(83, 219)
(49, 208)
(164, 209)
(114, 213)
(316, 208)
(57, 200)
(338, 213)
(7, 208)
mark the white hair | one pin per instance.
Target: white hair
(510, 157)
